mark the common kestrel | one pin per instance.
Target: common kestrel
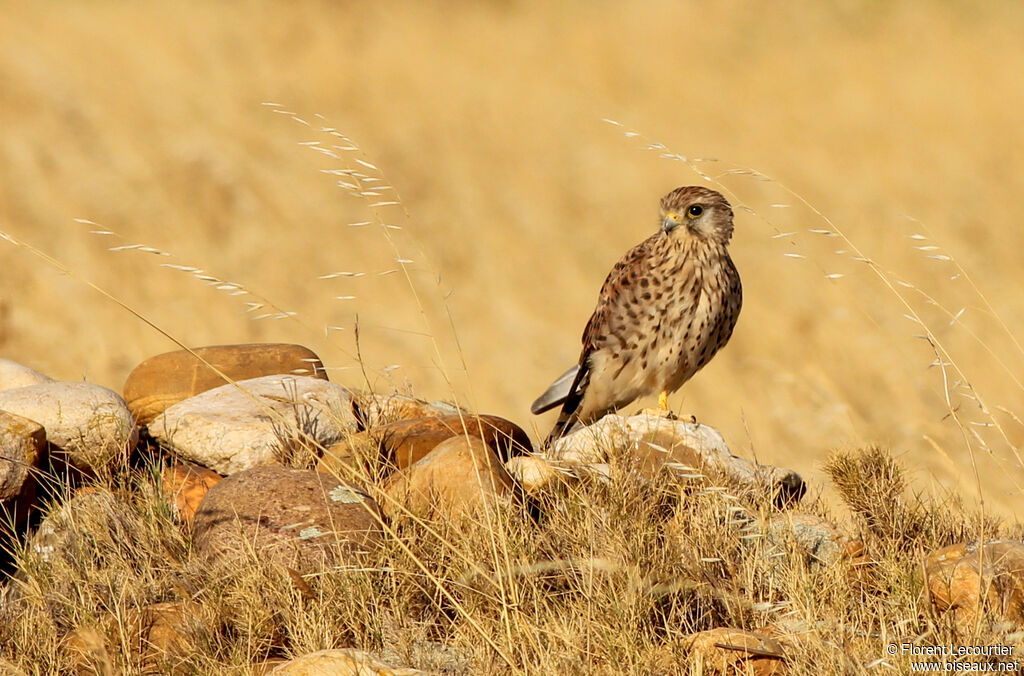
(663, 312)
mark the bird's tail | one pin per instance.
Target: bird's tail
(570, 413)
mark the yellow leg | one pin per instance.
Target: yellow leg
(663, 400)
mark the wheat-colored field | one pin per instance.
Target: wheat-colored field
(898, 123)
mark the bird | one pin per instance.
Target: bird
(665, 309)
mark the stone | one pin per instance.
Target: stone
(455, 480)
(87, 426)
(724, 650)
(162, 381)
(818, 540)
(22, 444)
(376, 410)
(401, 443)
(966, 579)
(301, 519)
(154, 636)
(533, 473)
(346, 661)
(256, 422)
(686, 449)
(185, 487)
(14, 375)
(76, 529)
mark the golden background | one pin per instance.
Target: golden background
(516, 197)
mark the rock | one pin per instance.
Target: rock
(687, 449)
(256, 422)
(343, 661)
(534, 473)
(818, 540)
(376, 410)
(154, 636)
(87, 426)
(162, 381)
(401, 443)
(302, 519)
(456, 479)
(22, 443)
(91, 520)
(185, 487)
(734, 651)
(966, 579)
(14, 375)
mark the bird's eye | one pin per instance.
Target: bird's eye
(695, 211)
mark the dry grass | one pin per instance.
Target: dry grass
(882, 307)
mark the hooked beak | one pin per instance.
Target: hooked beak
(671, 221)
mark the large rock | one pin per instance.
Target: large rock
(401, 443)
(88, 427)
(816, 540)
(256, 422)
(13, 374)
(687, 449)
(966, 579)
(153, 637)
(76, 530)
(345, 661)
(162, 381)
(728, 651)
(456, 479)
(22, 442)
(377, 409)
(302, 519)
(185, 486)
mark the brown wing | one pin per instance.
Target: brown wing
(622, 277)
(599, 328)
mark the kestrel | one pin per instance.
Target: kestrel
(665, 309)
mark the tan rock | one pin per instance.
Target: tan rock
(376, 410)
(153, 637)
(22, 443)
(401, 443)
(534, 473)
(345, 661)
(89, 427)
(185, 487)
(965, 578)
(302, 519)
(456, 479)
(256, 422)
(162, 381)
(13, 375)
(92, 518)
(687, 449)
(734, 651)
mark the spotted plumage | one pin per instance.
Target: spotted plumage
(664, 310)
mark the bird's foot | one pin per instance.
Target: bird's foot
(658, 413)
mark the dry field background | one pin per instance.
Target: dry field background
(891, 119)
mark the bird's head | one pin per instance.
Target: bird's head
(694, 211)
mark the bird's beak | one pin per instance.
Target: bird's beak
(671, 221)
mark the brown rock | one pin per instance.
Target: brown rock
(301, 519)
(22, 443)
(185, 487)
(401, 443)
(343, 661)
(154, 637)
(457, 478)
(376, 410)
(734, 651)
(967, 579)
(168, 378)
